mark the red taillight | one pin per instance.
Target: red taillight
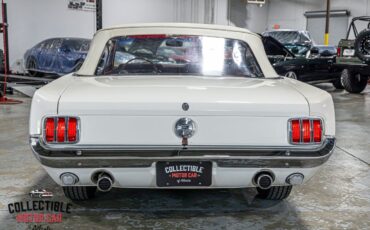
(339, 50)
(61, 130)
(72, 129)
(296, 131)
(317, 131)
(305, 131)
(49, 129)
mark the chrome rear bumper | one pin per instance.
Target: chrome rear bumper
(145, 156)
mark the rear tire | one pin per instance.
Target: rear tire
(338, 84)
(79, 193)
(274, 193)
(353, 82)
(32, 64)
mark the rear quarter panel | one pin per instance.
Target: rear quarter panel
(320, 104)
(45, 102)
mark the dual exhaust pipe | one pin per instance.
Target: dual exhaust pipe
(264, 179)
(104, 182)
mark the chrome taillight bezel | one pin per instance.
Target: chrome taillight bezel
(66, 141)
(312, 142)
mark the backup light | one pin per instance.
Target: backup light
(305, 131)
(295, 179)
(61, 130)
(68, 178)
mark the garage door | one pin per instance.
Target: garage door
(337, 29)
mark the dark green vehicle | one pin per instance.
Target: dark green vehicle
(316, 66)
(354, 56)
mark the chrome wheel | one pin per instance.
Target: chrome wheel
(291, 74)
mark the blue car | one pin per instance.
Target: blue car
(56, 56)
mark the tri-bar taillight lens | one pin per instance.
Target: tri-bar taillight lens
(305, 130)
(63, 130)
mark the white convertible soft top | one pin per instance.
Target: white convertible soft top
(183, 25)
(104, 35)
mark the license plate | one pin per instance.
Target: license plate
(184, 173)
(348, 52)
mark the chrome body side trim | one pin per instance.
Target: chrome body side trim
(74, 147)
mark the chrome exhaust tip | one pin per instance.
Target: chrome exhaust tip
(264, 180)
(104, 182)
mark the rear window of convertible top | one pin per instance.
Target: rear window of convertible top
(157, 54)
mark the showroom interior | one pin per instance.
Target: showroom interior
(308, 60)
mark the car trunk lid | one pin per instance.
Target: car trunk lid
(145, 95)
(142, 110)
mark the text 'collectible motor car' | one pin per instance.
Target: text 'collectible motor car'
(180, 106)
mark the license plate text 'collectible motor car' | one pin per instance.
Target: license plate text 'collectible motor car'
(180, 106)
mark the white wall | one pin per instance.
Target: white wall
(220, 12)
(33, 21)
(289, 13)
(194, 11)
(250, 16)
(116, 12)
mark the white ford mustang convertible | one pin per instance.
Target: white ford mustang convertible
(177, 106)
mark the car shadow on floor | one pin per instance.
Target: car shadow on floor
(168, 205)
(187, 204)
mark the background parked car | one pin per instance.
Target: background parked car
(298, 42)
(56, 56)
(314, 67)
